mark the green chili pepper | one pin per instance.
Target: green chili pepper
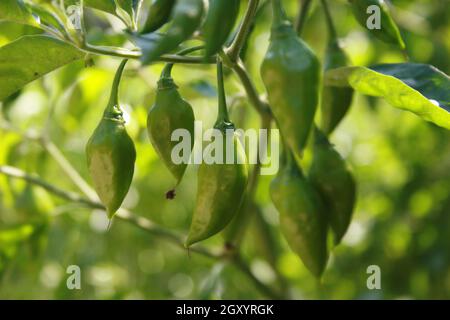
(111, 153)
(336, 101)
(159, 14)
(291, 74)
(302, 219)
(219, 23)
(335, 183)
(169, 113)
(388, 31)
(221, 186)
(186, 18)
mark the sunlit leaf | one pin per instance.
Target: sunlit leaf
(29, 58)
(16, 11)
(103, 5)
(419, 88)
(46, 17)
(132, 8)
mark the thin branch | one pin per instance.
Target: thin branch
(174, 58)
(236, 46)
(67, 195)
(330, 25)
(68, 169)
(137, 54)
(141, 223)
(302, 14)
(170, 236)
(261, 106)
(243, 267)
(57, 155)
(122, 214)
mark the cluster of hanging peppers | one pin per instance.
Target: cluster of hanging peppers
(308, 205)
(311, 204)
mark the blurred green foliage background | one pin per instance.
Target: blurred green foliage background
(402, 165)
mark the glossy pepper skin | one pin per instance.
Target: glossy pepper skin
(159, 14)
(336, 185)
(169, 113)
(219, 23)
(336, 101)
(111, 154)
(221, 186)
(389, 31)
(186, 18)
(302, 219)
(291, 75)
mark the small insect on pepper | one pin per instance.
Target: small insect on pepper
(387, 31)
(291, 75)
(111, 154)
(219, 23)
(221, 186)
(336, 101)
(158, 15)
(186, 19)
(170, 112)
(331, 177)
(302, 220)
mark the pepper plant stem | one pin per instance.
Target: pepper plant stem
(135, 54)
(330, 25)
(114, 98)
(236, 46)
(222, 110)
(260, 105)
(168, 67)
(68, 169)
(303, 13)
(141, 223)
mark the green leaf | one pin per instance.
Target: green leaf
(132, 7)
(16, 11)
(103, 5)
(124, 15)
(47, 17)
(126, 10)
(29, 58)
(419, 88)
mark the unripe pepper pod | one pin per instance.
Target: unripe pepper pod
(219, 23)
(159, 14)
(291, 74)
(111, 154)
(336, 101)
(186, 19)
(221, 186)
(335, 183)
(302, 220)
(170, 112)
